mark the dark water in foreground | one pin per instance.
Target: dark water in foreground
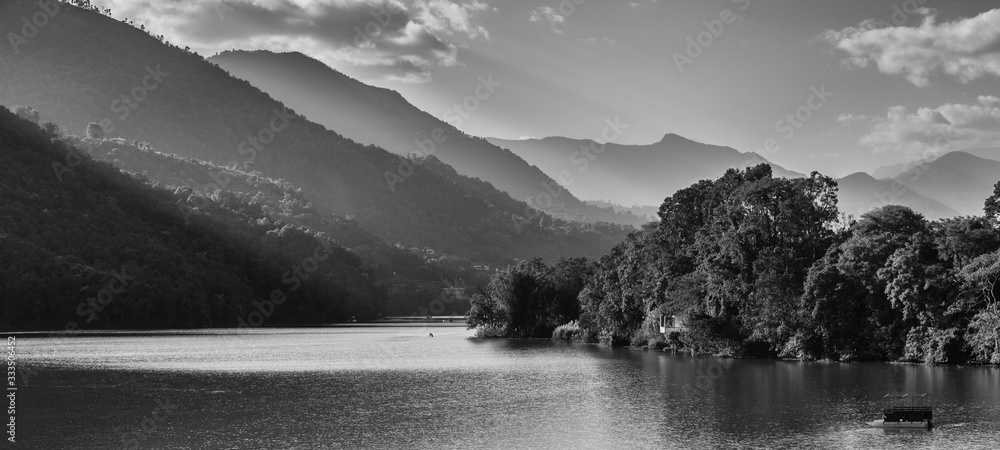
(395, 387)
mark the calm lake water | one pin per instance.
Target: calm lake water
(396, 387)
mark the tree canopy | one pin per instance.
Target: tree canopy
(762, 266)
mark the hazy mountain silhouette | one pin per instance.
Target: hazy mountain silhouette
(632, 174)
(985, 153)
(860, 193)
(958, 179)
(894, 170)
(373, 115)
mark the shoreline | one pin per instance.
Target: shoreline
(228, 330)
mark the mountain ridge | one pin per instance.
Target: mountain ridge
(383, 117)
(860, 193)
(958, 179)
(79, 68)
(657, 169)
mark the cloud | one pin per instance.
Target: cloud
(851, 119)
(548, 14)
(965, 49)
(451, 18)
(948, 127)
(380, 39)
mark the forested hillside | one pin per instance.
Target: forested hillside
(82, 243)
(278, 199)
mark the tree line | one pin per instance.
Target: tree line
(768, 267)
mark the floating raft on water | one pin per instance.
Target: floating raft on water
(906, 411)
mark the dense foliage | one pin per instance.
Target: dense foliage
(530, 299)
(94, 247)
(763, 266)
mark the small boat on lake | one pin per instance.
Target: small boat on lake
(905, 411)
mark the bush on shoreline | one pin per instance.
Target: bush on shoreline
(568, 332)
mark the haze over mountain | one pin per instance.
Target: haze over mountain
(860, 193)
(90, 68)
(632, 174)
(985, 153)
(373, 115)
(957, 179)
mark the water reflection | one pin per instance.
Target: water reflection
(395, 388)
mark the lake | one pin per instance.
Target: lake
(397, 387)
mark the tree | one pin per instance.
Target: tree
(982, 278)
(837, 316)
(845, 298)
(733, 253)
(992, 207)
(530, 299)
(27, 113)
(51, 130)
(95, 131)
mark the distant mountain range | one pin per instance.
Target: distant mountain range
(859, 193)
(80, 72)
(955, 184)
(373, 115)
(632, 174)
(958, 179)
(344, 141)
(894, 170)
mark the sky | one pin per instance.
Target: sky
(835, 86)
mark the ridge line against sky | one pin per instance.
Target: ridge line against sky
(903, 78)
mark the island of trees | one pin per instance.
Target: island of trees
(759, 266)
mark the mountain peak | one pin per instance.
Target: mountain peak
(673, 138)
(859, 177)
(960, 156)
